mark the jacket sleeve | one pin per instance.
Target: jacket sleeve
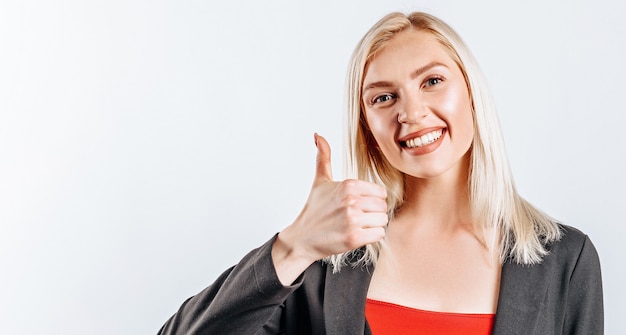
(246, 299)
(584, 307)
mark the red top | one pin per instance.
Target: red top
(386, 318)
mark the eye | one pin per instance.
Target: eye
(382, 98)
(433, 81)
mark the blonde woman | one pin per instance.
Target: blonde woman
(430, 235)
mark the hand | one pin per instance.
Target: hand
(337, 217)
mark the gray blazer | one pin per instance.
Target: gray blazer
(562, 295)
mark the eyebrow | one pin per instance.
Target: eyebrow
(414, 75)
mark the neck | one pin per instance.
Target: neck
(437, 204)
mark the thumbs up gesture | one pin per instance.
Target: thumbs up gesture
(337, 217)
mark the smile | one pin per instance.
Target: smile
(423, 140)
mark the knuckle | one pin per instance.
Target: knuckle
(353, 239)
(349, 200)
(352, 217)
(348, 185)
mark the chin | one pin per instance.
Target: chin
(425, 175)
(440, 171)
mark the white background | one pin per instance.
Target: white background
(145, 146)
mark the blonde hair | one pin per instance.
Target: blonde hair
(521, 231)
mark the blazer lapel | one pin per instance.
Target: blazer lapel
(344, 300)
(522, 291)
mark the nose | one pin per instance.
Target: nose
(411, 110)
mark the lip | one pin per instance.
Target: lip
(428, 148)
(419, 133)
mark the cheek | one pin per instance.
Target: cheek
(373, 123)
(457, 107)
(466, 117)
(455, 100)
(380, 127)
(464, 127)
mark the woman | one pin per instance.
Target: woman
(431, 235)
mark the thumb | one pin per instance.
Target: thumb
(323, 169)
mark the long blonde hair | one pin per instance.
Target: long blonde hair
(521, 231)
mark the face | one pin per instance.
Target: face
(417, 106)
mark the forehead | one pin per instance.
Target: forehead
(408, 49)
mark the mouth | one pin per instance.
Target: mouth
(420, 141)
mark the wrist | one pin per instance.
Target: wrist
(289, 259)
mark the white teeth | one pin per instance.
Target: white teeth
(424, 139)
